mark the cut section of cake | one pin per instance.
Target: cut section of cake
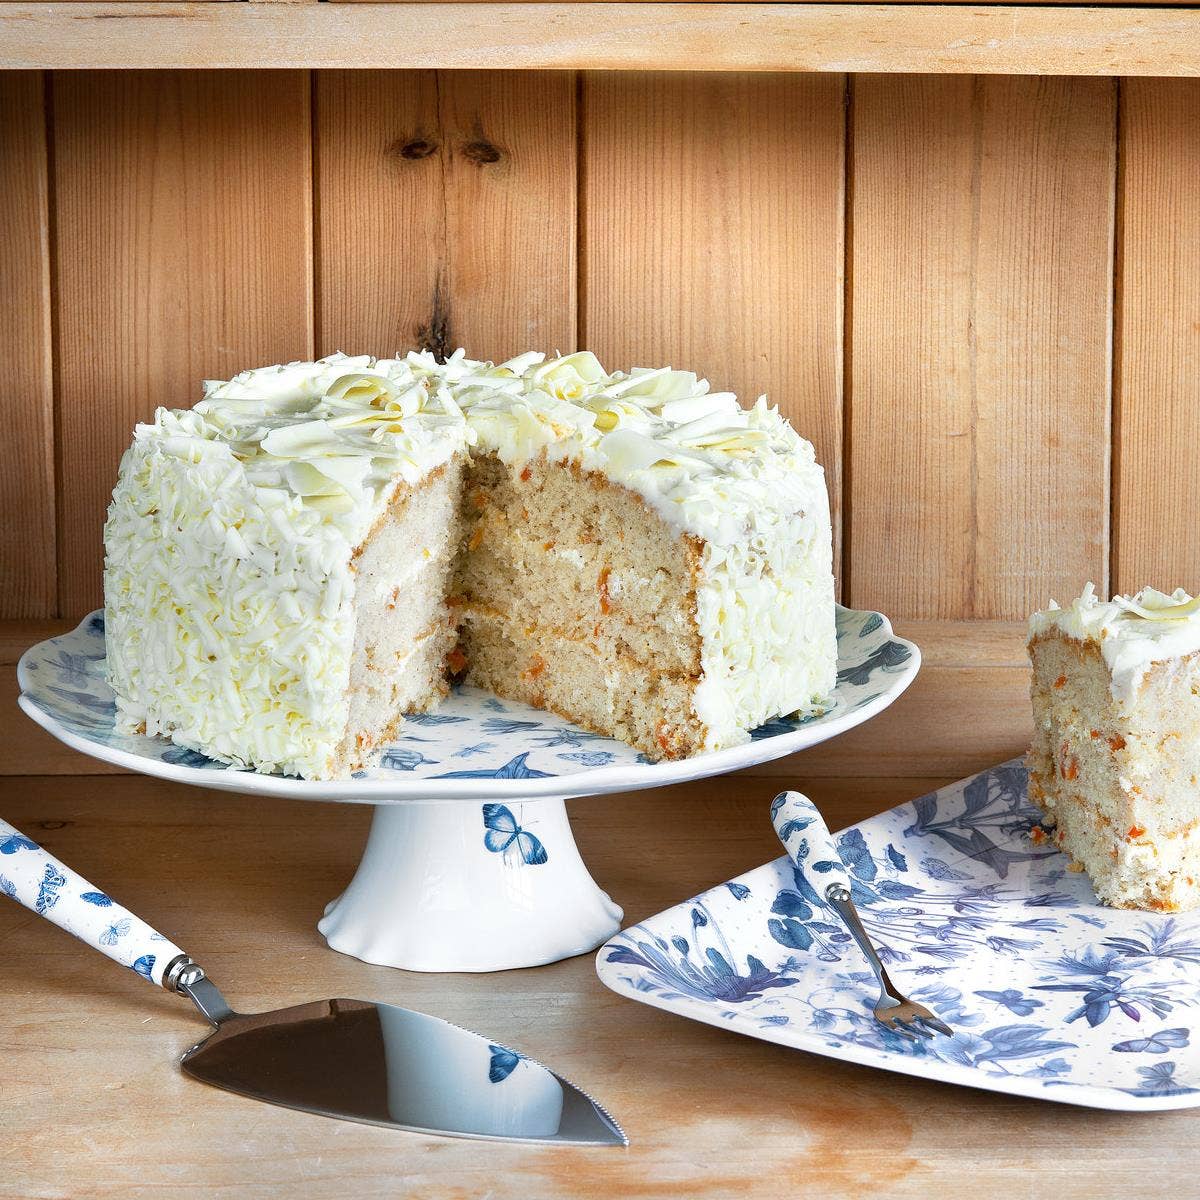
(1115, 761)
(311, 551)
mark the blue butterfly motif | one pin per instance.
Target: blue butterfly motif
(1013, 1000)
(503, 1064)
(795, 825)
(47, 896)
(1156, 1043)
(99, 899)
(477, 748)
(115, 932)
(7, 887)
(502, 833)
(740, 890)
(15, 842)
(144, 966)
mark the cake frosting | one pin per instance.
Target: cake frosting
(1132, 632)
(279, 473)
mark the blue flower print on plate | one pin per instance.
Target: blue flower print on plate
(475, 745)
(1049, 994)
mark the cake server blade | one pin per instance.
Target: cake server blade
(352, 1059)
(385, 1065)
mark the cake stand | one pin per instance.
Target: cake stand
(470, 864)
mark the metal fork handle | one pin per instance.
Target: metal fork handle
(839, 897)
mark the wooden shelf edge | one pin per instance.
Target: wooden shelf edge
(1051, 40)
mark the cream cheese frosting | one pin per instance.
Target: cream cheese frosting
(233, 524)
(1132, 632)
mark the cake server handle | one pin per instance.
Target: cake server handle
(51, 889)
(809, 844)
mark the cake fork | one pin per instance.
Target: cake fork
(811, 847)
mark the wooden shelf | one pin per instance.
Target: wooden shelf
(1054, 40)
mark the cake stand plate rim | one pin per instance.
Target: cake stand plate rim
(619, 777)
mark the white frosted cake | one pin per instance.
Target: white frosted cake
(1115, 763)
(315, 548)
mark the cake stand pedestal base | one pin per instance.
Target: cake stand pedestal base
(460, 885)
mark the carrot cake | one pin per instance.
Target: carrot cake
(316, 548)
(1115, 761)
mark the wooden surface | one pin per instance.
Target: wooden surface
(1158, 396)
(94, 1104)
(919, 270)
(1002, 39)
(979, 392)
(183, 217)
(27, 580)
(446, 211)
(713, 236)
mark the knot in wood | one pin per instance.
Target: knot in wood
(413, 148)
(481, 151)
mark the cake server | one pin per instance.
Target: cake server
(814, 854)
(352, 1059)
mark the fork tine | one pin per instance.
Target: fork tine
(940, 1026)
(916, 1025)
(898, 1026)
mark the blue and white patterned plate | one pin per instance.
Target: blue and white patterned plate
(474, 745)
(1050, 994)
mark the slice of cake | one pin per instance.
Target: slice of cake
(1115, 762)
(310, 552)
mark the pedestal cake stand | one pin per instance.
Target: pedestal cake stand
(470, 864)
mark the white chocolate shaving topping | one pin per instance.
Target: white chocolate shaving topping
(1133, 632)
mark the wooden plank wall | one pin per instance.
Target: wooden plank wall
(980, 296)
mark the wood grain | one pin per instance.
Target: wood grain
(95, 1105)
(1004, 39)
(183, 211)
(1157, 503)
(713, 236)
(982, 271)
(446, 211)
(27, 535)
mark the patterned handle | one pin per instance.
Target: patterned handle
(809, 844)
(29, 875)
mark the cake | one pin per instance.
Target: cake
(316, 549)
(1115, 761)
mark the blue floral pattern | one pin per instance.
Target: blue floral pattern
(473, 735)
(1049, 993)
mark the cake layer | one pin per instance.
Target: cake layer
(579, 557)
(587, 682)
